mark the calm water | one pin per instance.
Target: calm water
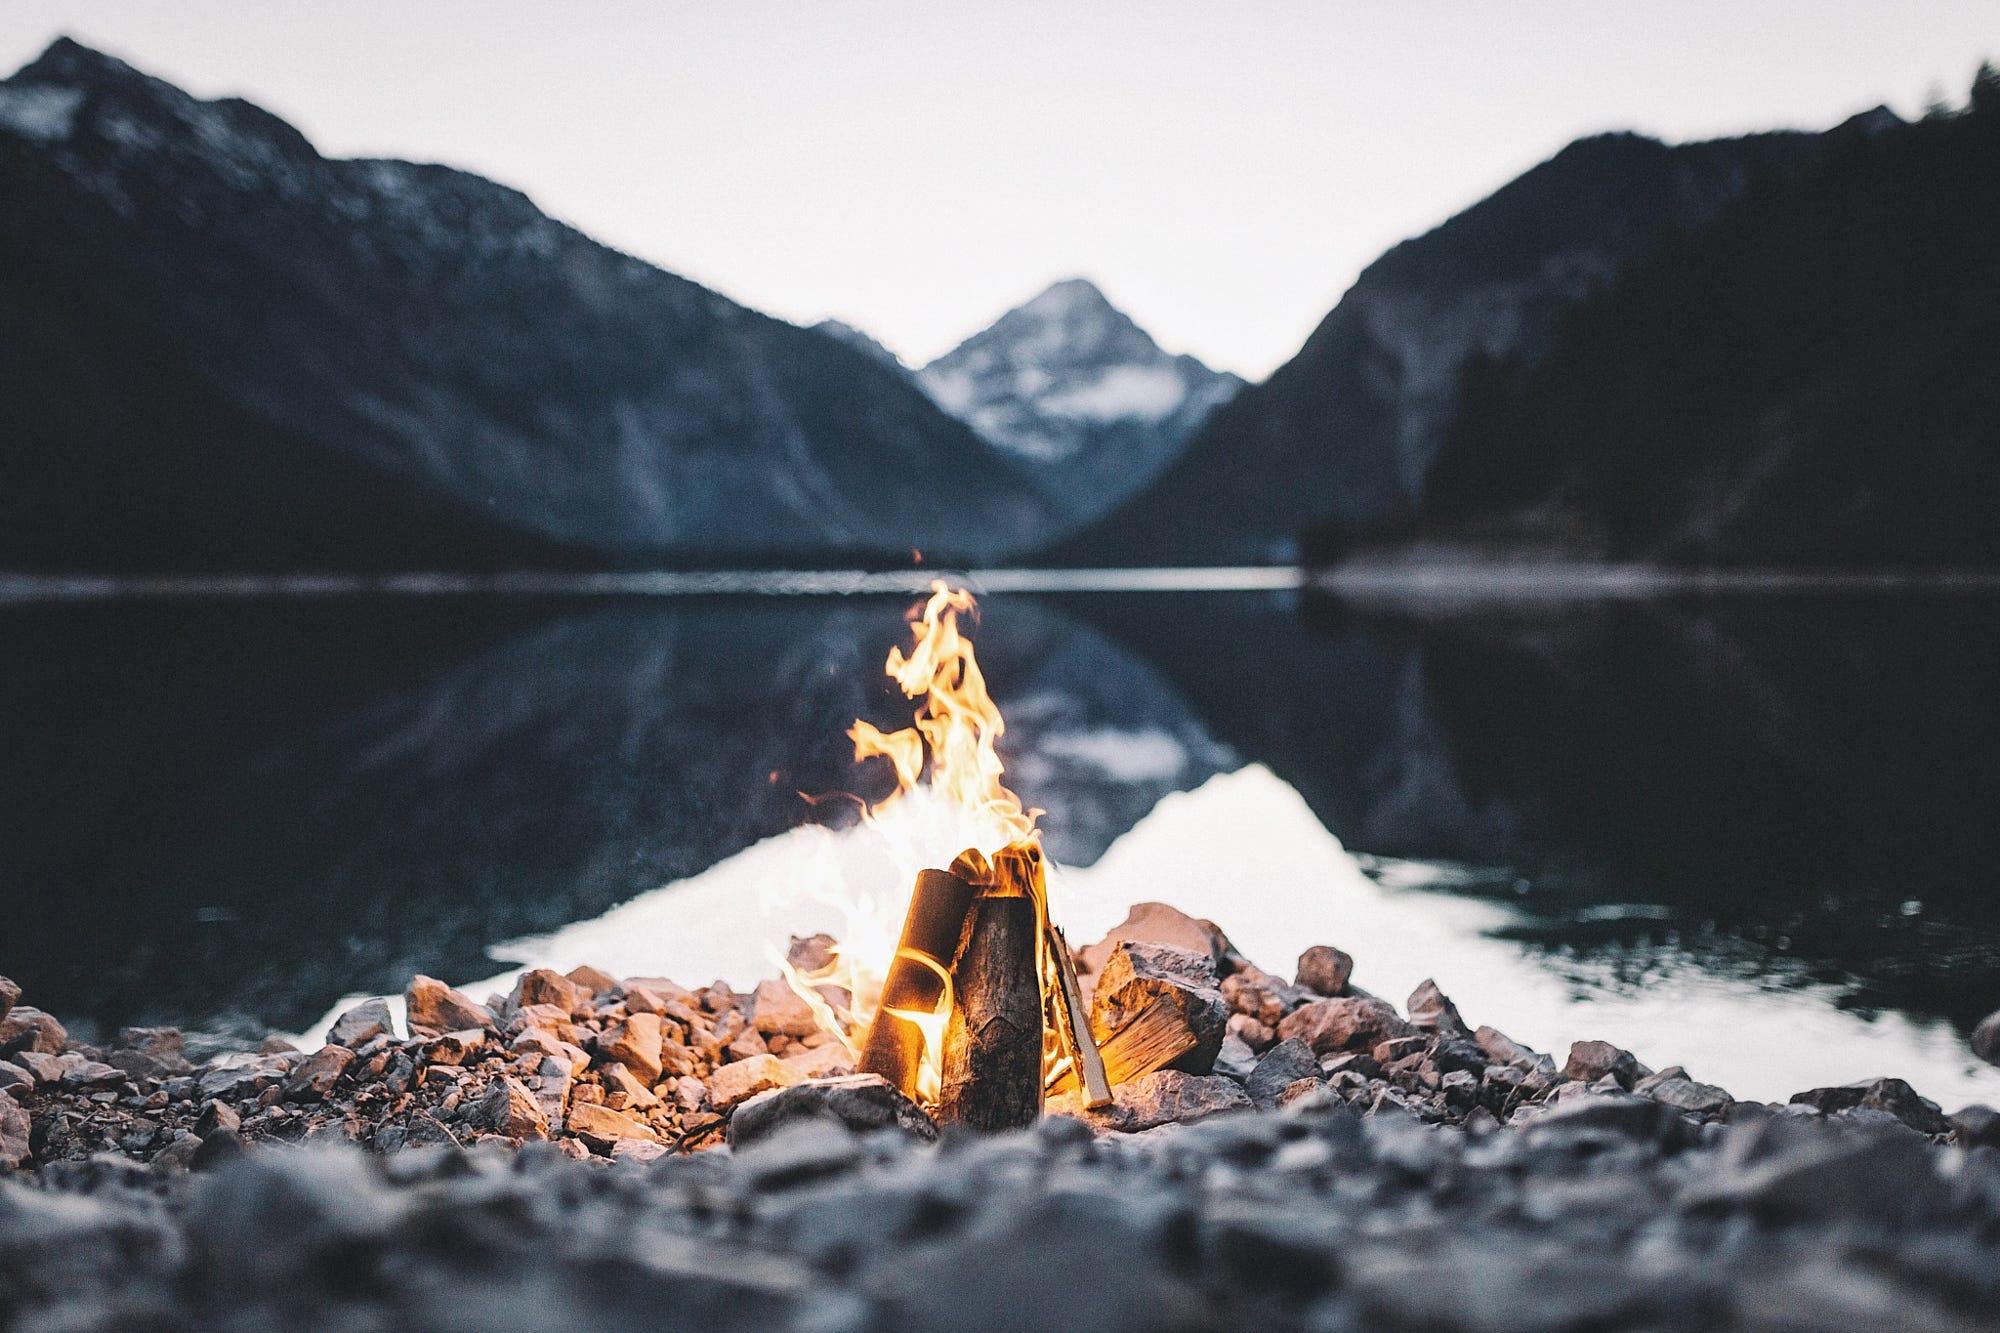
(229, 813)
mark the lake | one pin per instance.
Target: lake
(1754, 835)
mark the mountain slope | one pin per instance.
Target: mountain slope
(1078, 394)
(1346, 430)
(223, 350)
(1810, 381)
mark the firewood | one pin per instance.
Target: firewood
(1073, 1025)
(1154, 1038)
(916, 979)
(993, 1046)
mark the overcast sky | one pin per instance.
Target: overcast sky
(1222, 170)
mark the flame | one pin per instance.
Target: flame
(949, 797)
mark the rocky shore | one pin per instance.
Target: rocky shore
(590, 1147)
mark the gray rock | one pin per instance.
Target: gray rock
(794, 1151)
(860, 1102)
(1283, 1065)
(1890, 1095)
(1324, 970)
(1166, 1096)
(1432, 1010)
(1704, 1099)
(362, 1024)
(1590, 1061)
(1235, 1058)
(1976, 1126)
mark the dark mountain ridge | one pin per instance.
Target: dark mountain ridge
(219, 349)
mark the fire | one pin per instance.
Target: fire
(949, 797)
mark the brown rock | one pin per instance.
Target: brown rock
(436, 1008)
(1432, 1010)
(1166, 1096)
(1253, 992)
(734, 1083)
(1135, 974)
(637, 1150)
(15, 1127)
(15, 1081)
(44, 1068)
(595, 981)
(830, 1060)
(542, 986)
(1590, 1061)
(620, 1081)
(454, 1048)
(545, 1017)
(812, 954)
(664, 987)
(639, 1000)
(554, 1079)
(362, 1024)
(1252, 1033)
(1324, 970)
(781, 1011)
(311, 1081)
(1157, 923)
(507, 1107)
(215, 1116)
(635, 1043)
(602, 1127)
(1350, 1023)
(10, 994)
(26, 1028)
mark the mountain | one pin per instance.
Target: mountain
(220, 349)
(1083, 398)
(1345, 431)
(1808, 382)
(862, 342)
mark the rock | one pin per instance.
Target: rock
(1785, 1171)
(435, 1009)
(243, 1078)
(540, 985)
(1236, 1059)
(1432, 1010)
(1590, 1061)
(861, 1102)
(1704, 1099)
(828, 1061)
(1252, 992)
(26, 1028)
(1986, 1039)
(781, 1011)
(1596, 1118)
(1157, 923)
(1283, 1065)
(43, 1068)
(311, 1081)
(362, 1024)
(1254, 1033)
(15, 1129)
(1166, 1096)
(15, 1080)
(1324, 970)
(1976, 1127)
(225, 1145)
(454, 1048)
(602, 1127)
(595, 981)
(1502, 1049)
(812, 954)
(738, 1082)
(554, 1078)
(507, 1107)
(217, 1116)
(637, 1150)
(10, 994)
(623, 1082)
(1350, 1023)
(1889, 1095)
(635, 1043)
(77, 1072)
(796, 1151)
(1136, 973)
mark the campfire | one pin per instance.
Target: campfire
(973, 1008)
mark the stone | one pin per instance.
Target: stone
(1253, 992)
(595, 981)
(747, 1043)
(1976, 1126)
(1137, 973)
(311, 1081)
(1252, 1032)
(1683, 1094)
(541, 985)
(26, 1028)
(1324, 970)
(44, 1068)
(245, 1078)
(830, 1060)
(861, 1102)
(812, 954)
(362, 1024)
(217, 1116)
(637, 1150)
(435, 1009)
(736, 1083)
(507, 1107)
(554, 1078)
(1157, 923)
(623, 1082)
(1986, 1039)
(1590, 1061)
(635, 1043)
(639, 1000)
(15, 1080)
(602, 1127)
(781, 1011)
(1502, 1049)
(1165, 1096)
(10, 995)
(77, 1072)
(1236, 1058)
(794, 1152)
(1432, 1010)
(15, 1130)
(1351, 1023)
(454, 1048)
(1283, 1065)
(1889, 1095)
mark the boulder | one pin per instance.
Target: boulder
(362, 1024)
(1590, 1061)
(26, 1028)
(781, 1011)
(435, 1009)
(736, 1083)
(1324, 970)
(1432, 1010)
(1164, 1097)
(1351, 1023)
(635, 1043)
(455, 1048)
(1283, 1065)
(1683, 1094)
(861, 1102)
(1891, 1096)
(595, 981)
(508, 1107)
(217, 1116)
(540, 985)
(602, 1127)
(1136, 973)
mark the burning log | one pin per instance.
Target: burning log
(919, 980)
(993, 1046)
(1155, 1037)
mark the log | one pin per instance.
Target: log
(1154, 1038)
(894, 1046)
(993, 1046)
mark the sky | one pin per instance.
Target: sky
(1222, 171)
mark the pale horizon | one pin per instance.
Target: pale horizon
(1222, 177)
